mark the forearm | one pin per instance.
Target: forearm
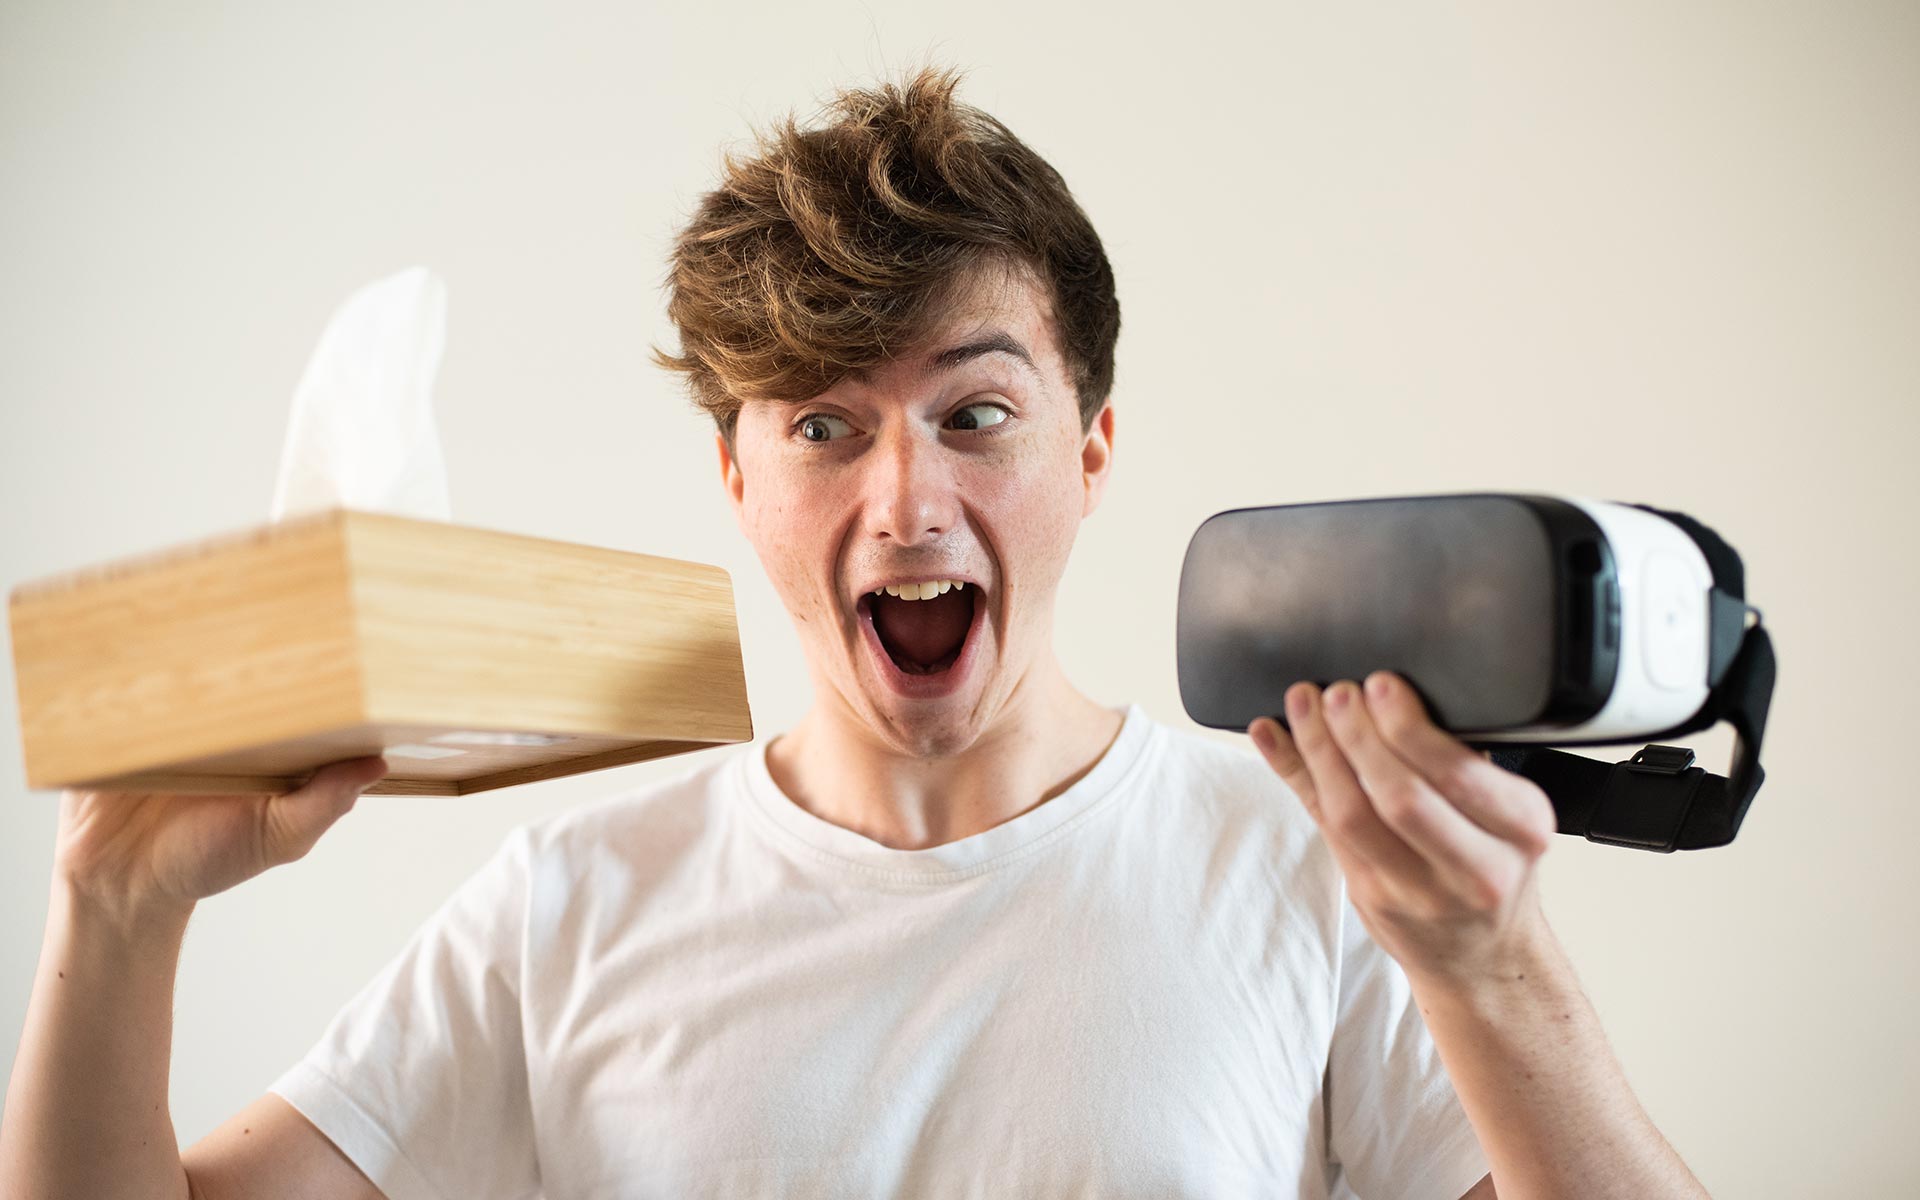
(1545, 1094)
(87, 1109)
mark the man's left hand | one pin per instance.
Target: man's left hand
(1437, 843)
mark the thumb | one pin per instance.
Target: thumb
(292, 823)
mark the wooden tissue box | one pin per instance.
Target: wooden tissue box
(472, 659)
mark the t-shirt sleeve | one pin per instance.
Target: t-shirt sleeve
(1395, 1127)
(421, 1078)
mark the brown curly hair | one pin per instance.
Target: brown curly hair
(830, 248)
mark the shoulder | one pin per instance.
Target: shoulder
(599, 871)
(660, 820)
(1220, 773)
(1226, 789)
(1212, 809)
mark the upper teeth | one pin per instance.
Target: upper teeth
(921, 591)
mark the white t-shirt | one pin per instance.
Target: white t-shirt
(1151, 985)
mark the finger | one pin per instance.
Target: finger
(1470, 859)
(1504, 804)
(1345, 806)
(291, 824)
(1277, 747)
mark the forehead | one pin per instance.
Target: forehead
(1002, 313)
(996, 314)
(1008, 298)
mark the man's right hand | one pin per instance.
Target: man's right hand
(135, 854)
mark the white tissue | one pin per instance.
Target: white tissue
(362, 433)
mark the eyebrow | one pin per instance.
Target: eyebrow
(996, 342)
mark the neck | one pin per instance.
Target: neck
(1044, 738)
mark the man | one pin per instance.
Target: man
(962, 930)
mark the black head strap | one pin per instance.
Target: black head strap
(1657, 800)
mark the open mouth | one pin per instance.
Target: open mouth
(923, 637)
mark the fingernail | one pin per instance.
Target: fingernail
(1377, 685)
(1337, 697)
(1297, 702)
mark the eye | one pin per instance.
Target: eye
(965, 422)
(812, 427)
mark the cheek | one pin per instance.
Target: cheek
(1032, 500)
(791, 524)
(777, 525)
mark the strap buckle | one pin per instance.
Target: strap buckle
(1660, 760)
(1646, 799)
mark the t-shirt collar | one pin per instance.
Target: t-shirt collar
(825, 842)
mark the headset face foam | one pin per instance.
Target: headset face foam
(1517, 617)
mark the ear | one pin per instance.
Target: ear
(1096, 458)
(730, 477)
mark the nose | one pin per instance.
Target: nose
(911, 494)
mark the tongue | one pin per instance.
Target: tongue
(921, 633)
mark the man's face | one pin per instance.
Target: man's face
(960, 458)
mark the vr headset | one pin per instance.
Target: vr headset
(1519, 619)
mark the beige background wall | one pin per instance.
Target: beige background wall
(1651, 252)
